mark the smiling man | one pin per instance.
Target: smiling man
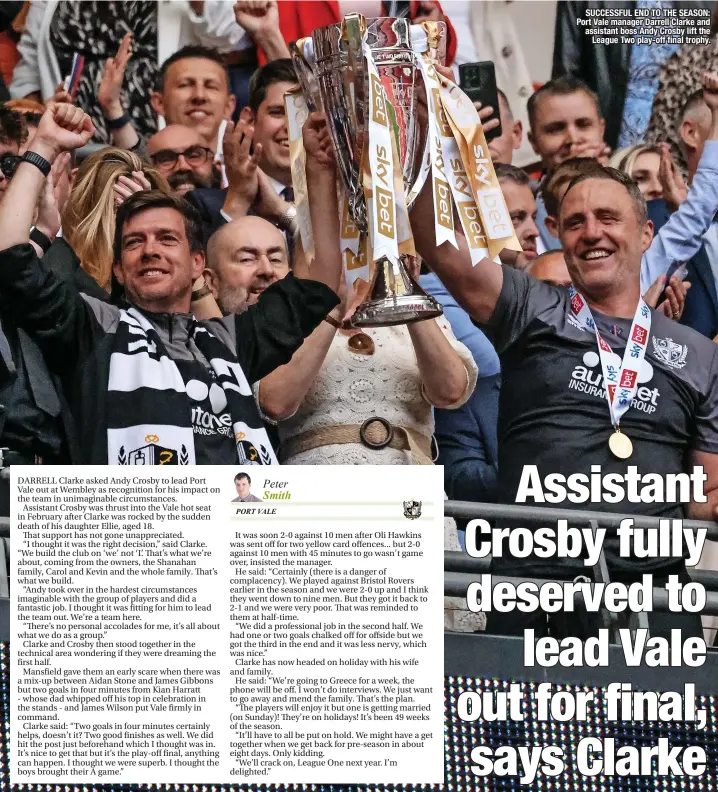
(267, 115)
(566, 122)
(554, 411)
(179, 152)
(244, 258)
(194, 92)
(148, 383)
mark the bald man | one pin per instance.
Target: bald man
(182, 156)
(550, 267)
(244, 258)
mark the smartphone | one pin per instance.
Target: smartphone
(72, 82)
(478, 82)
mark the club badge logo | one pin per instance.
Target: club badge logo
(671, 353)
(153, 454)
(412, 509)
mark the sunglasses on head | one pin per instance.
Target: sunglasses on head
(8, 164)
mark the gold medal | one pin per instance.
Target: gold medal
(620, 445)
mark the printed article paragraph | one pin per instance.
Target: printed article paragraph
(227, 625)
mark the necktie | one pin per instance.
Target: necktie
(288, 194)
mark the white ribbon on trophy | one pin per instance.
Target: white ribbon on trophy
(382, 199)
(443, 206)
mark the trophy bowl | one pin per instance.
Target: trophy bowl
(341, 75)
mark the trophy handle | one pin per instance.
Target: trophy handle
(305, 73)
(353, 32)
(427, 37)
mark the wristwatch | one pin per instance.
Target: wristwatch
(40, 239)
(38, 162)
(113, 124)
(288, 221)
(203, 291)
(333, 321)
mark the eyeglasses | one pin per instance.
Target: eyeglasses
(8, 164)
(194, 156)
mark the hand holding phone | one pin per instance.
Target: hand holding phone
(478, 82)
(72, 82)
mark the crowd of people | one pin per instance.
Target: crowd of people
(157, 306)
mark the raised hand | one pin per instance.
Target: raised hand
(61, 96)
(257, 17)
(109, 94)
(48, 212)
(599, 151)
(317, 143)
(268, 203)
(484, 114)
(674, 188)
(675, 300)
(240, 162)
(709, 83)
(63, 127)
(675, 294)
(125, 186)
(428, 11)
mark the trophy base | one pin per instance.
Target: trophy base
(396, 311)
(394, 299)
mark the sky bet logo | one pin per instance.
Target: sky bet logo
(628, 379)
(640, 336)
(588, 379)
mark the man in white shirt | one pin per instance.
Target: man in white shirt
(256, 157)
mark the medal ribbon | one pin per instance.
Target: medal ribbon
(622, 383)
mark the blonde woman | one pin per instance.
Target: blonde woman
(653, 170)
(103, 181)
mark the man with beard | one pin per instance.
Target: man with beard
(244, 258)
(180, 153)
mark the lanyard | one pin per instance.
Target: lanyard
(621, 382)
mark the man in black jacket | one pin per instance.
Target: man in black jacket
(608, 69)
(148, 383)
(35, 425)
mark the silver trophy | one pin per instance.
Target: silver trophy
(332, 71)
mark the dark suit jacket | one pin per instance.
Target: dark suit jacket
(468, 444)
(701, 310)
(43, 386)
(209, 202)
(63, 261)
